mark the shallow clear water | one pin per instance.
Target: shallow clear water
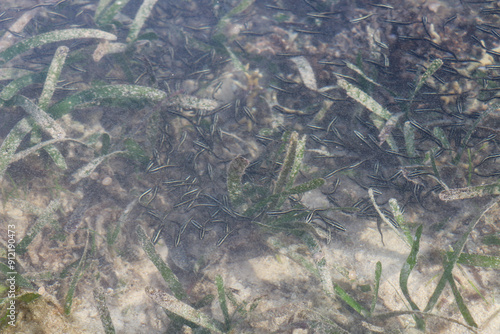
(224, 154)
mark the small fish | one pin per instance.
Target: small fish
(223, 238)
(449, 20)
(157, 234)
(359, 19)
(308, 32)
(381, 5)
(280, 89)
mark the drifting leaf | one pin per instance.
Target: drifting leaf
(470, 192)
(305, 187)
(378, 275)
(351, 301)
(297, 162)
(29, 297)
(408, 266)
(461, 304)
(52, 77)
(105, 13)
(68, 302)
(478, 260)
(366, 100)
(322, 269)
(398, 216)
(51, 37)
(222, 301)
(105, 48)
(288, 163)
(457, 250)
(192, 102)
(140, 17)
(111, 92)
(234, 174)
(46, 123)
(386, 130)
(101, 7)
(11, 143)
(384, 218)
(184, 310)
(409, 134)
(12, 88)
(56, 156)
(284, 177)
(325, 275)
(46, 144)
(46, 216)
(167, 273)
(306, 72)
(86, 170)
(361, 73)
(236, 62)
(102, 308)
(433, 67)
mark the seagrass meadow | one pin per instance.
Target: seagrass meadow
(249, 166)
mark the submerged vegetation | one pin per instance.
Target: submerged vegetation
(203, 130)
